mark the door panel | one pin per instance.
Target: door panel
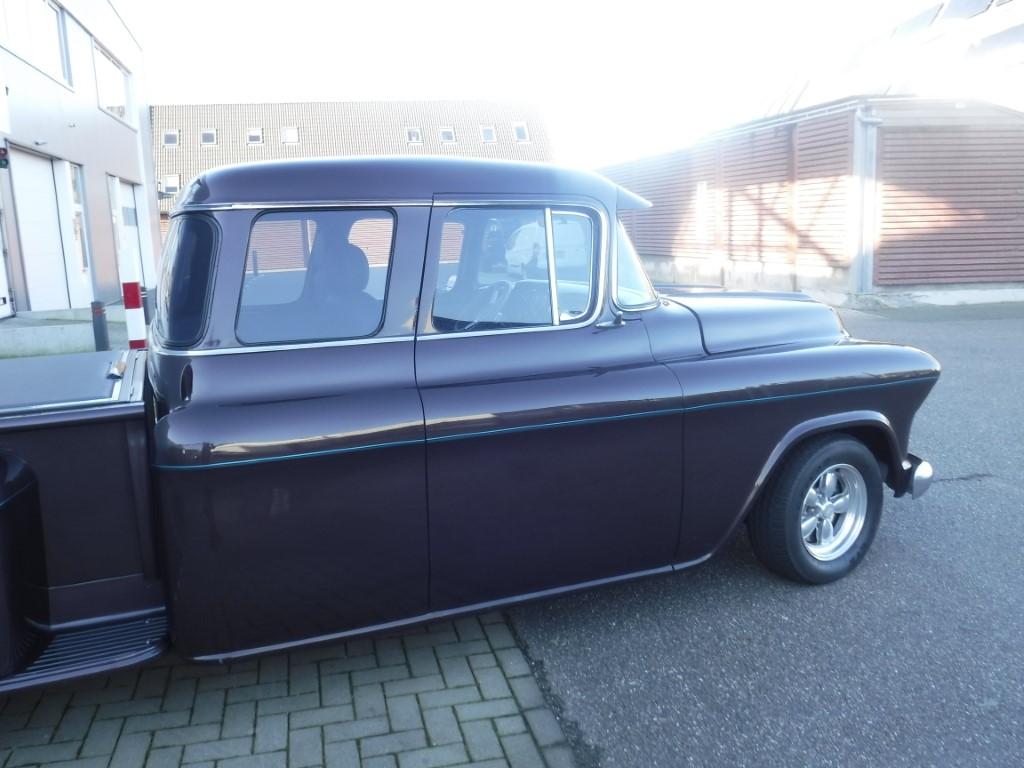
(294, 518)
(42, 252)
(547, 463)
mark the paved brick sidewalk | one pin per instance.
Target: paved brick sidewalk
(454, 693)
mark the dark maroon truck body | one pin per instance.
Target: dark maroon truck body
(233, 497)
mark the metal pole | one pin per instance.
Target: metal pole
(147, 306)
(99, 326)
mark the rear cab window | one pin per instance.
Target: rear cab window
(315, 276)
(187, 266)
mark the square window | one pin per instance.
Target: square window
(487, 134)
(113, 87)
(208, 137)
(290, 135)
(536, 267)
(254, 136)
(170, 138)
(315, 276)
(447, 135)
(413, 136)
(171, 183)
(522, 133)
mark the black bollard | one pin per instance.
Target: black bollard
(147, 306)
(99, 326)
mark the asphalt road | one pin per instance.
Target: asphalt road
(915, 659)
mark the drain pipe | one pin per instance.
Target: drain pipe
(866, 169)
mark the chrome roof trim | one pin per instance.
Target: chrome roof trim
(298, 204)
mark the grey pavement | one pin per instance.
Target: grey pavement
(916, 659)
(450, 694)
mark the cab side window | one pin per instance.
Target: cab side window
(503, 268)
(315, 276)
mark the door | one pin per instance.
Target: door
(70, 185)
(554, 443)
(6, 305)
(42, 251)
(126, 230)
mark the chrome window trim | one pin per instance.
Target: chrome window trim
(297, 204)
(539, 202)
(549, 237)
(614, 272)
(558, 206)
(570, 212)
(387, 281)
(160, 349)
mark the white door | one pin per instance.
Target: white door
(129, 235)
(42, 252)
(6, 305)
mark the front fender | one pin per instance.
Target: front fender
(885, 446)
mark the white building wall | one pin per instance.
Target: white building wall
(61, 120)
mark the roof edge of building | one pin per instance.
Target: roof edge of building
(816, 110)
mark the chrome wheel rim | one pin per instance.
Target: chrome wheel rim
(833, 513)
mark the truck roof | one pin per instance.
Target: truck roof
(392, 179)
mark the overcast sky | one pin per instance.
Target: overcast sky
(614, 80)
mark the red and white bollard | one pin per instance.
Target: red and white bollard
(134, 316)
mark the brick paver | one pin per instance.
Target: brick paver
(456, 693)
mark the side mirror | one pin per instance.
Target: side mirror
(617, 321)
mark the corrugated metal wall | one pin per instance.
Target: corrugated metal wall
(752, 206)
(824, 166)
(952, 198)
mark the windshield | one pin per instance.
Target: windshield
(633, 289)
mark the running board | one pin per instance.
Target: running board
(92, 650)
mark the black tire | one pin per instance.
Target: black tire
(774, 524)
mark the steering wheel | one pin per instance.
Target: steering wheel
(487, 308)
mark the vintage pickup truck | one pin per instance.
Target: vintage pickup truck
(383, 391)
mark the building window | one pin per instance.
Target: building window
(172, 183)
(81, 234)
(487, 134)
(170, 138)
(289, 135)
(113, 87)
(208, 137)
(37, 31)
(254, 136)
(447, 135)
(521, 132)
(413, 136)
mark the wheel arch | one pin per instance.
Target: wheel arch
(871, 428)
